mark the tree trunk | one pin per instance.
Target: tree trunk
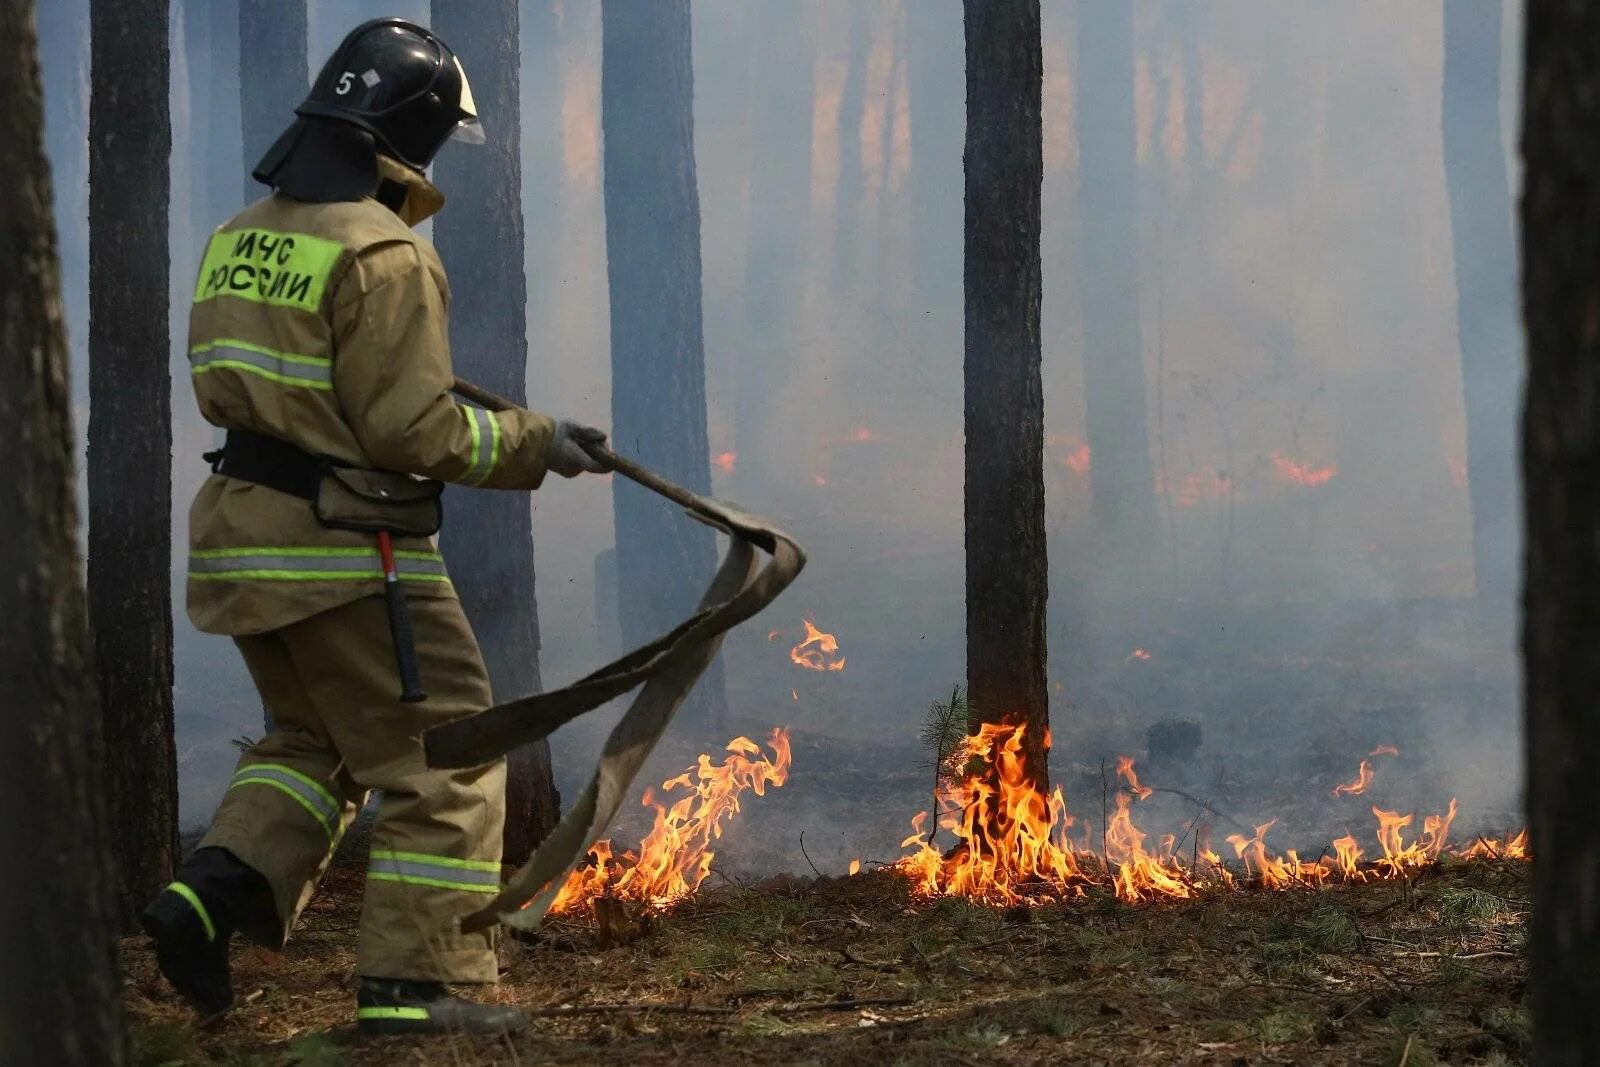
(130, 440)
(1486, 312)
(480, 237)
(272, 77)
(1120, 478)
(59, 934)
(1004, 412)
(1561, 472)
(658, 392)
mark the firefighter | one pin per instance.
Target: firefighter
(318, 340)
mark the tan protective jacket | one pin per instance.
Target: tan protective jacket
(324, 325)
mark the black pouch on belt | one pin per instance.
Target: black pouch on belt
(350, 498)
(341, 497)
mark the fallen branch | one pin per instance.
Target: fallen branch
(648, 1007)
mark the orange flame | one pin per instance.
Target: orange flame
(1012, 843)
(817, 651)
(1140, 655)
(1126, 772)
(855, 868)
(1384, 750)
(725, 461)
(1364, 778)
(1296, 473)
(675, 857)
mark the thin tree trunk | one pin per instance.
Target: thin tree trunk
(130, 440)
(658, 395)
(61, 1001)
(1486, 311)
(1113, 351)
(1561, 472)
(1004, 413)
(272, 76)
(480, 237)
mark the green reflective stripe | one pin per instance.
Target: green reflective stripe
(438, 861)
(307, 792)
(260, 372)
(391, 1013)
(494, 445)
(311, 564)
(311, 576)
(199, 909)
(415, 868)
(480, 464)
(328, 799)
(285, 368)
(436, 883)
(268, 267)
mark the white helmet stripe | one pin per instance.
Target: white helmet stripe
(467, 103)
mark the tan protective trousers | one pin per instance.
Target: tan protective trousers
(331, 685)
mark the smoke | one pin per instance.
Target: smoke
(1306, 591)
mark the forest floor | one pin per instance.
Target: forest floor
(851, 970)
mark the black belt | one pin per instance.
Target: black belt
(256, 457)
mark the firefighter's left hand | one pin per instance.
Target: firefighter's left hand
(568, 456)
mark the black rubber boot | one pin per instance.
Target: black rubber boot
(194, 919)
(396, 1006)
(191, 948)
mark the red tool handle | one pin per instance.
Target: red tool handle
(405, 646)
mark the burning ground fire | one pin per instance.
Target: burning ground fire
(1013, 843)
(817, 651)
(675, 857)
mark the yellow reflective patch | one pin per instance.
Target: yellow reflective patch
(268, 267)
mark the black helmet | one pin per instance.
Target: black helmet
(400, 83)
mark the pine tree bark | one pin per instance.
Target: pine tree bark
(1120, 480)
(273, 77)
(130, 440)
(1004, 410)
(658, 393)
(1561, 472)
(1486, 313)
(59, 989)
(480, 237)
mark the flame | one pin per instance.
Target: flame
(675, 857)
(855, 868)
(1138, 654)
(725, 461)
(1296, 473)
(1356, 788)
(1384, 750)
(818, 480)
(818, 651)
(1126, 772)
(1013, 845)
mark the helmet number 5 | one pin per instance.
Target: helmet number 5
(344, 83)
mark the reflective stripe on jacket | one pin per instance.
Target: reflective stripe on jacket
(325, 325)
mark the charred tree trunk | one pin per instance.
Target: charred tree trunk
(1561, 473)
(272, 76)
(1120, 478)
(1486, 312)
(658, 392)
(1004, 412)
(480, 237)
(58, 938)
(130, 440)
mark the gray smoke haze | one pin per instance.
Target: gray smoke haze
(1308, 595)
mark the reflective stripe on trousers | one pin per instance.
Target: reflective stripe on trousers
(310, 564)
(442, 872)
(304, 790)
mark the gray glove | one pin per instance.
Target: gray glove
(568, 457)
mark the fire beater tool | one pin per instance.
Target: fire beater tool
(667, 669)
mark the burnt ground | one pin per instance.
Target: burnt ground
(849, 970)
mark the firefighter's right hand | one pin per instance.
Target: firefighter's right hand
(568, 456)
